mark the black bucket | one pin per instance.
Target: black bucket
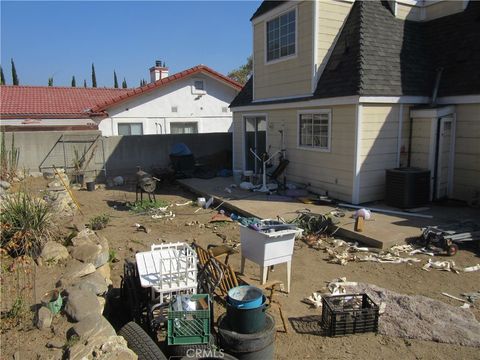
(90, 185)
(246, 321)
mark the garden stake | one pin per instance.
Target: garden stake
(68, 190)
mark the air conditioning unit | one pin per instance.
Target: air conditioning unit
(407, 187)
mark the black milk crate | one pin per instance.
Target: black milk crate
(349, 314)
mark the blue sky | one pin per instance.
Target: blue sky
(63, 38)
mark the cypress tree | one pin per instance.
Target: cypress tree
(124, 84)
(15, 80)
(84, 83)
(94, 77)
(50, 81)
(2, 77)
(115, 81)
(74, 83)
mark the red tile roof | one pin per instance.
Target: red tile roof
(68, 102)
(52, 102)
(101, 106)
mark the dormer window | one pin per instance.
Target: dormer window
(281, 37)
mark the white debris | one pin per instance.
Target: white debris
(455, 298)
(387, 258)
(185, 203)
(465, 306)
(440, 265)
(423, 251)
(472, 268)
(315, 299)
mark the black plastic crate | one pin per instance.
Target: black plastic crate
(349, 314)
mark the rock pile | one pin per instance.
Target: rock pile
(85, 282)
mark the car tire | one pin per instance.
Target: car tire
(140, 342)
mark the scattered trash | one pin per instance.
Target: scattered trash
(118, 181)
(246, 185)
(449, 266)
(220, 218)
(315, 300)
(143, 228)
(208, 203)
(185, 203)
(456, 298)
(387, 211)
(201, 201)
(388, 258)
(228, 190)
(364, 213)
(472, 297)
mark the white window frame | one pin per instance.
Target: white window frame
(130, 123)
(194, 89)
(319, 112)
(184, 123)
(281, 58)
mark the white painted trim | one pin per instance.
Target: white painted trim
(357, 152)
(345, 100)
(281, 98)
(431, 152)
(452, 156)
(463, 99)
(281, 58)
(275, 12)
(395, 99)
(400, 131)
(253, 62)
(429, 113)
(444, 120)
(314, 45)
(313, 148)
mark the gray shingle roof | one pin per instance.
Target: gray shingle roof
(378, 54)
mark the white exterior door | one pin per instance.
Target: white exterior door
(445, 158)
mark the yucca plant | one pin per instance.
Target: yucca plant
(26, 223)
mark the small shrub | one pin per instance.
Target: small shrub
(112, 256)
(25, 224)
(146, 206)
(99, 222)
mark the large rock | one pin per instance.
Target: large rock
(94, 283)
(4, 185)
(102, 348)
(54, 251)
(76, 269)
(90, 247)
(81, 303)
(43, 319)
(105, 271)
(92, 326)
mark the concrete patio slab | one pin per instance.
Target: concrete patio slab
(383, 231)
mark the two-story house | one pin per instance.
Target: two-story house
(351, 88)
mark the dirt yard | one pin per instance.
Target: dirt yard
(310, 272)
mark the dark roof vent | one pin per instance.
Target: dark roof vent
(158, 63)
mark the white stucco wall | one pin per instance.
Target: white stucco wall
(154, 109)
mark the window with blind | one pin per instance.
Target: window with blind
(314, 130)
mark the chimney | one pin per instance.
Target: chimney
(158, 71)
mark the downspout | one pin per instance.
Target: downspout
(433, 102)
(410, 131)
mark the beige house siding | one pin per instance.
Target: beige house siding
(291, 77)
(378, 150)
(443, 8)
(325, 171)
(331, 15)
(466, 179)
(409, 12)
